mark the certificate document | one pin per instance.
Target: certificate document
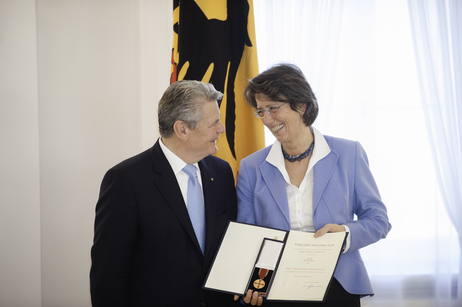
(280, 265)
(306, 266)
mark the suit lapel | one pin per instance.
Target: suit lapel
(209, 186)
(166, 183)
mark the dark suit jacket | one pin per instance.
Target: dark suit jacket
(145, 251)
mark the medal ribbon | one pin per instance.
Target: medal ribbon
(262, 273)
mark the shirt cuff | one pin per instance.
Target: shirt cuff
(348, 240)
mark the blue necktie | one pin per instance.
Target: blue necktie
(196, 208)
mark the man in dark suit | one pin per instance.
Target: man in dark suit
(145, 251)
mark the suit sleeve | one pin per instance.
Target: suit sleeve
(114, 240)
(372, 220)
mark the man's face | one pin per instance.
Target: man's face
(202, 140)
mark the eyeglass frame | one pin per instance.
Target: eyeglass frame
(269, 110)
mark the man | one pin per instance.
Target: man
(146, 251)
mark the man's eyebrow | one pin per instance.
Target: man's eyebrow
(215, 122)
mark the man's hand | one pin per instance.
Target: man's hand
(251, 298)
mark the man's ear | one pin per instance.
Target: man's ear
(181, 130)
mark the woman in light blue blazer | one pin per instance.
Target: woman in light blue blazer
(310, 182)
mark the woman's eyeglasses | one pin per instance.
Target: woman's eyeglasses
(270, 110)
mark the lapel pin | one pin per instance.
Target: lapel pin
(211, 179)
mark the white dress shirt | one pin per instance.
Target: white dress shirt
(177, 165)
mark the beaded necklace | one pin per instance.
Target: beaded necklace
(300, 156)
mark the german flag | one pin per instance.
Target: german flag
(214, 42)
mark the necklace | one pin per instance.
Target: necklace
(300, 156)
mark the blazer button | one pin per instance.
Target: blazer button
(203, 304)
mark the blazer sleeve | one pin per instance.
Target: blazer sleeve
(114, 239)
(372, 220)
(245, 198)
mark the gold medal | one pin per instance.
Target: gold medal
(259, 283)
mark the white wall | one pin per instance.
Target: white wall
(20, 269)
(79, 85)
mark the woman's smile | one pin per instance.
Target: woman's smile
(278, 127)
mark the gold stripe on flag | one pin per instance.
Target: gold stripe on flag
(214, 41)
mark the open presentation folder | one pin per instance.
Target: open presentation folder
(280, 265)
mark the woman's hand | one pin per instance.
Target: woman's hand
(252, 298)
(329, 228)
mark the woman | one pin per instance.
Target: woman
(309, 182)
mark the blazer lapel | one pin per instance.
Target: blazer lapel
(277, 187)
(166, 183)
(323, 171)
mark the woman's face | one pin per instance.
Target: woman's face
(285, 123)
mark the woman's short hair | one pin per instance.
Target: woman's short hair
(285, 83)
(183, 101)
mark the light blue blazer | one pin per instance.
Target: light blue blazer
(343, 188)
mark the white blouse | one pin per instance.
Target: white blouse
(300, 199)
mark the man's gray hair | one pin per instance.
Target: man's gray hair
(183, 101)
